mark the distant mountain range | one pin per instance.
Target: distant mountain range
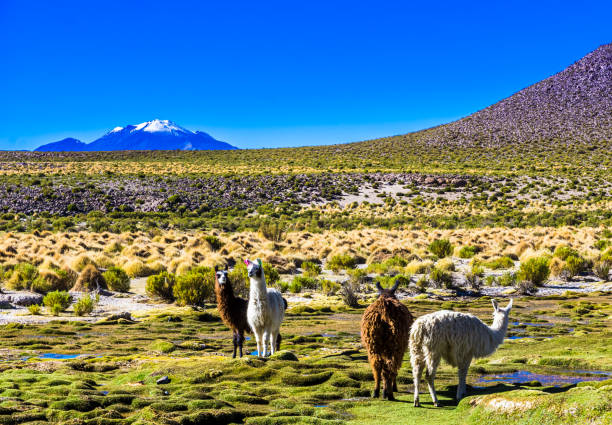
(572, 106)
(151, 135)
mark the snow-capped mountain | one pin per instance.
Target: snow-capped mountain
(151, 135)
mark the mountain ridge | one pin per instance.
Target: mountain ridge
(150, 135)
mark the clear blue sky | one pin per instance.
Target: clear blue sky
(266, 74)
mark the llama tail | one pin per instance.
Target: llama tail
(285, 303)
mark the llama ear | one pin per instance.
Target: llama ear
(259, 262)
(226, 267)
(509, 306)
(380, 289)
(394, 287)
(216, 268)
(495, 306)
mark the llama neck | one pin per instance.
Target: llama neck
(258, 289)
(497, 332)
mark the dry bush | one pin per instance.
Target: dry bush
(90, 280)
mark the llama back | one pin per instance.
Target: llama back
(386, 326)
(448, 333)
(277, 304)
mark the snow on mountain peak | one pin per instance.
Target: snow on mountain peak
(156, 126)
(116, 129)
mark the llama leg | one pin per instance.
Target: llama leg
(388, 386)
(417, 369)
(463, 370)
(258, 339)
(395, 384)
(264, 344)
(240, 340)
(376, 373)
(430, 375)
(279, 338)
(235, 341)
(273, 342)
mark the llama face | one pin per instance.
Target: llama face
(222, 277)
(254, 269)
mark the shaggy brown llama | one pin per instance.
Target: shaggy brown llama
(385, 329)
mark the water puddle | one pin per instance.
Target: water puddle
(57, 356)
(526, 336)
(321, 405)
(523, 376)
(540, 325)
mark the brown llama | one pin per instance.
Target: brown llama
(385, 330)
(233, 310)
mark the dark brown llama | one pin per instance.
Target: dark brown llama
(385, 330)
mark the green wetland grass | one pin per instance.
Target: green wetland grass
(107, 372)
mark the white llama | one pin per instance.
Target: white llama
(457, 338)
(266, 309)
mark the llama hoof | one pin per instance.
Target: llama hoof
(390, 397)
(416, 403)
(436, 404)
(375, 394)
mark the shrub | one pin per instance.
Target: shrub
(507, 279)
(136, 268)
(80, 262)
(161, 285)
(607, 256)
(23, 276)
(534, 270)
(574, 265)
(90, 279)
(602, 269)
(446, 264)
(57, 301)
(491, 280)
(311, 269)
(473, 281)
(341, 262)
(195, 287)
(271, 273)
(526, 287)
(330, 287)
(603, 244)
(556, 266)
(295, 287)
(303, 282)
(85, 305)
(348, 292)
(214, 242)
(477, 269)
(419, 267)
(422, 284)
(239, 277)
(53, 279)
(441, 248)
(500, 263)
(117, 279)
(564, 251)
(468, 251)
(282, 286)
(441, 278)
(34, 309)
(358, 276)
(274, 232)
